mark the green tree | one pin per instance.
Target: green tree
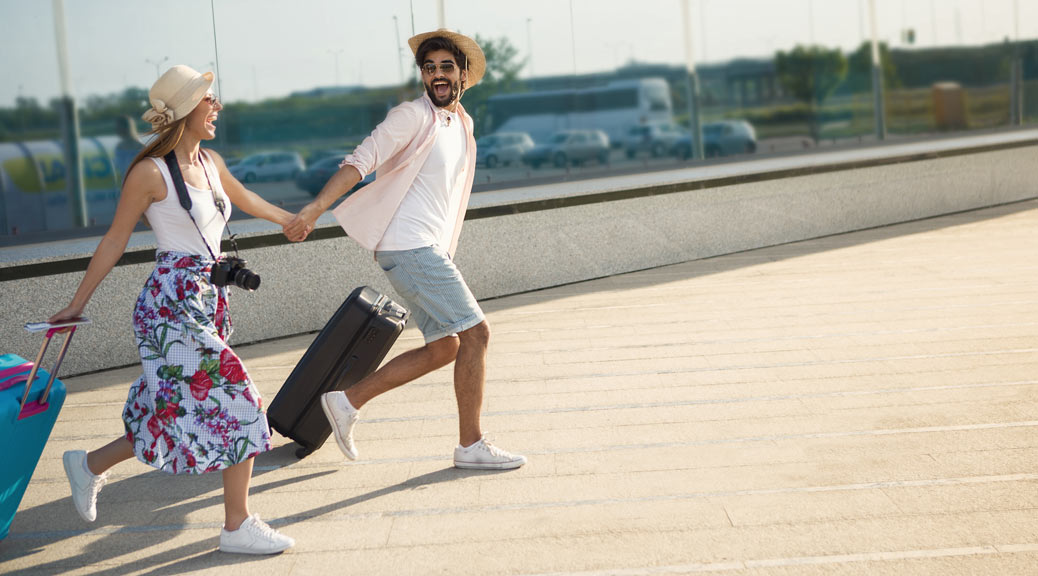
(810, 74)
(859, 64)
(502, 75)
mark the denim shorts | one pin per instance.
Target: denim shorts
(432, 288)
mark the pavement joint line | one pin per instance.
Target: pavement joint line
(590, 502)
(691, 444)
(828, 313)
(820, 336)
(742, 440)
(646, 446)
(675, 403)
(893, 556)
(870, 360)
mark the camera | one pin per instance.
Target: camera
(231, 271)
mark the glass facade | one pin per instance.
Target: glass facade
(574, 88)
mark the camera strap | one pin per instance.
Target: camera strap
(185, 199)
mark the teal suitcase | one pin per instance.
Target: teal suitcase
(26, 420)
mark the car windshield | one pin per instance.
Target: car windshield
(558, 138)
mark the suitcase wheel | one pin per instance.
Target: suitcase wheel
(303, 452)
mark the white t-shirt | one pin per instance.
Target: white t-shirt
(171, 224)
(428, 213)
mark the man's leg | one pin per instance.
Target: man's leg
(404, 368)
(469, 380)
(341, 409)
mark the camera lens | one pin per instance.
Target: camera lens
(246, 279)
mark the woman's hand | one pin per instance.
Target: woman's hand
(70, 312)
(303, 223)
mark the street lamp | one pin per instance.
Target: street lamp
(877, 78)
(529, 49)
(336, 54)
(692, 84)
(1016, 97)
(399, 49)
(156, 63)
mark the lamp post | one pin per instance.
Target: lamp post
(877, 78)
(692, 86)
(572, 40)
(399, 49)
(69, 122)
(529, 49)
(156, 63)
(336, 53)
(1016, 100)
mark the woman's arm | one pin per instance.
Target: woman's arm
(144, 185)
(251, 203)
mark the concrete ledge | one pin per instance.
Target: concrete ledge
(540, 236)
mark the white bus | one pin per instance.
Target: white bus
(613, 109)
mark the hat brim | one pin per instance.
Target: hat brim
(476, 60)
(197, 89)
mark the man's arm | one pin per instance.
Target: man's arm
(388, 139)
(340, 183)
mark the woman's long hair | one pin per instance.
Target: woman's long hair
(165, 140)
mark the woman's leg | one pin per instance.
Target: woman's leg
(236, 494)
(242, 532)
(109, 455)
(86, 473)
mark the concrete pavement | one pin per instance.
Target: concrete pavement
(857, 404)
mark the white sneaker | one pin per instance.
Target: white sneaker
(485, 456)
(84, 484)
(342, 416)
(254, 536)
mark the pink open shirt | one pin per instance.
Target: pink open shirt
(397, 148)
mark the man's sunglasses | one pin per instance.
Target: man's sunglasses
(446, 68)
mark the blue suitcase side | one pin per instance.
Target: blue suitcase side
(23, 440)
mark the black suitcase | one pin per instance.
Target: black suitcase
(349, 347)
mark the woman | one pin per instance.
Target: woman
(195, 409)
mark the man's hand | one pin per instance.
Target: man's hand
(300, 227)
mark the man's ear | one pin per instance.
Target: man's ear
(464, 75)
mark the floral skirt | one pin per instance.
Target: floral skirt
(194, 409)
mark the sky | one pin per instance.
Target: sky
(271, 48)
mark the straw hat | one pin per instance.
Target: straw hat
(175, 94)
(476, 61)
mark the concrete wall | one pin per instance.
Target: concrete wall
(533, 238)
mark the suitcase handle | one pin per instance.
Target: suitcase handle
(383, 305)
(13, 371)
(27, 408)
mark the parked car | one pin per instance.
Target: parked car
(317, 175)
(570, 147)
(268, 166)
(502, 148)
(323, 153)
(723, 138)
(653, 139)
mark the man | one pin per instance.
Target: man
(411, 217)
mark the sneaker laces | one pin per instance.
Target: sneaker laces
(486, 445)
(96, 483)
(263, 529)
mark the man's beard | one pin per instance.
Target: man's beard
(455, 91)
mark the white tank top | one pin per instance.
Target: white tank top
(171, 224)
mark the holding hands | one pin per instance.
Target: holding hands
(302, 224)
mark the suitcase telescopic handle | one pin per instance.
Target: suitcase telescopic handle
(40, 405)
